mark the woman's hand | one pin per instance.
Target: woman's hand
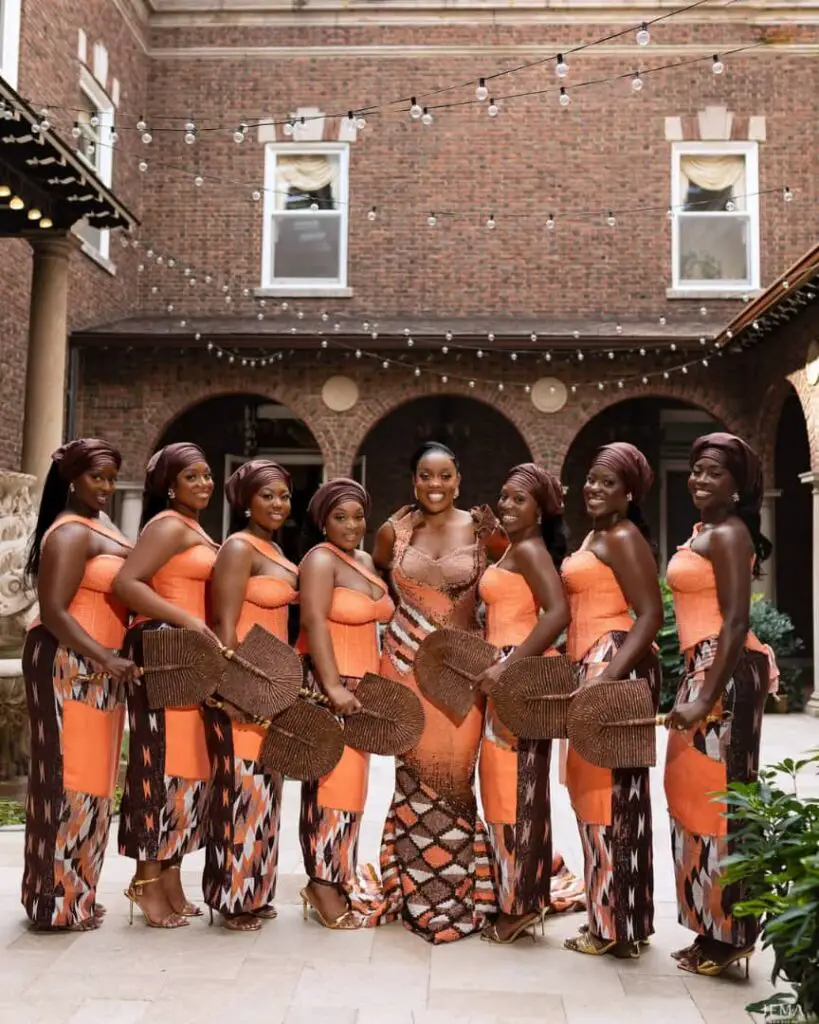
(121, 671)
(200, 626)
(344, 703)
(488, 679)
(686, 716)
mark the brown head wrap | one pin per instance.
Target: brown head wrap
(165, 465)
(630, 465)
(333, 493)
(741, 461)
(250, 478)
(543, 486)
(77, 457)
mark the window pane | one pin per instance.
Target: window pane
(91, 235)
(88, 142)
(303, 179)
(306, 246)
(712, 182)
(714, 248)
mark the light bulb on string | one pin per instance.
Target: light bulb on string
(500, 385)
(472, 383)
(611, 220)
(787, 195)
(703, 311)
(490, 222)
(702, 341)
(579, 356)
(255, 195)
(527, 389)
(643, 36)
(113, 137)
(426, 117)
(94, 121)
(141, 125)
(490, 336)
(444, 350)
(548, 357)
(76, 131)
(493, 109)
(717, 67)
(662, 321)
(147, 138)
(600, 385)
(705, 362)
(410, 342)
(533, 336)
(575, 335)
(669, 213)
(730, 206)
(573, 389)
(619, 384)
(564, 100)
(479, 354)
(561, 67)
(190, 133)
(684, 369)
(372, 214)
(673, 346)
(432, 220)
(637, 82)
(618, 328)
(444, 379)
(513, 356)
(448, 335)
(199, 181)
(666, 374)
(481, 92)
(415, 110)
(550, 222)
(143, 165)
(417, 371)
(642, 351)
(361, 122)
(611, 355)
(385, 365)
(240, 133)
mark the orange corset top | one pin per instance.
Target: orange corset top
(353, 623)
(596, 602)
(696, 605)
(511, 609)
(183, 579)
(94, 606)
(267, 597)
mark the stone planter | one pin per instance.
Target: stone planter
(14, 732)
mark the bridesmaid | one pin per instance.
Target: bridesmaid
(727, 669)
(252, 583)
(612, 574)
(164, 581)
(514, 773)
(435, 861)
(76, 725)
(342, 603)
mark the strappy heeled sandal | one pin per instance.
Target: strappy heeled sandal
(699, 963)
(640, 942)
(134, 894)
(189, 909)
(244, 922)
(587, 943)
(525, 927)
(268, 913)
(344, 922)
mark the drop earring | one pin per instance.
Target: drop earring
(735, 498)
(71, 488)
(247, 513)
(171, 494)
(629, 498)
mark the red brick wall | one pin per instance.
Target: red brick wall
(49, 76)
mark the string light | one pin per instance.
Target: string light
(561, 67)
(564, 99)
(490, 222)
(432, 220)
(199, 181)
(426, 117)
(787, 195)
(493, 109)
(240, 133)
(611, 220)
(190, 133)
(643, 37)
(717, 67)
(415, 110)
(372, 214)
(481, 92)
(550, 222)
(636, 82)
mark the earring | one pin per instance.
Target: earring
(171, 494)
(539, 520)
(72, 488)
(247, 513)
(629, 497)
(735, 498)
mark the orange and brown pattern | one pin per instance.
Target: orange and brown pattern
(162, 816)
(242, 851)
(704, 902)
(618, 857)
(66, 826)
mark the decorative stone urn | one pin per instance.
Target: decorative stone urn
(18, 608)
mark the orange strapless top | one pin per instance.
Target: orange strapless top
(511, 609)
(353, 622)
(183, 579)
(596, 602)
(696, 605)
(267, 597)
(94, 606)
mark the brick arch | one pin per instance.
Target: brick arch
(712, 403)
(159, 419)
(767, 426)
(351, 432)
(810, 410)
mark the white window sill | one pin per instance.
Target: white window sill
(96, 256)
(712, 293)
(309, 292)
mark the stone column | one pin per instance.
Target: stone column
(812, 479)
(47, 345)
(766, 585)
(130, 509)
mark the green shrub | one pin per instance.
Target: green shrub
(671, 660)
(776, 629)
(777, 856)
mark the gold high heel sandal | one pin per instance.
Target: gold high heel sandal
(525, 927)
(344, 922)
(585, 942)
(245, 922)
(134, 893)
(698, 963)
(584, 928)
(189, 909)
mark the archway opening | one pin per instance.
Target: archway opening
(793, 559)
(486, 442)
(231, 429)
(663, 429)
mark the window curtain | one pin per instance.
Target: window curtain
(305, 173)
(714, 173)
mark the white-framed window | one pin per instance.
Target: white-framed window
(95, 122)
(304, 239)
(10, 40)
(715, 216)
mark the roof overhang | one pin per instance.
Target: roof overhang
(784, 301)
(48, 176)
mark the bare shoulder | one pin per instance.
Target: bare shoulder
(317, 558)
(365, 559)
(67, 534)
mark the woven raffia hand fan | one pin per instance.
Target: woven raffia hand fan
(304, 742)
(532, 697)
(447, 666)
(182, 667)
(391, 718)
(262, 676)
(613, 724)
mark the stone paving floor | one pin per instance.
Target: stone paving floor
(293, 972)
